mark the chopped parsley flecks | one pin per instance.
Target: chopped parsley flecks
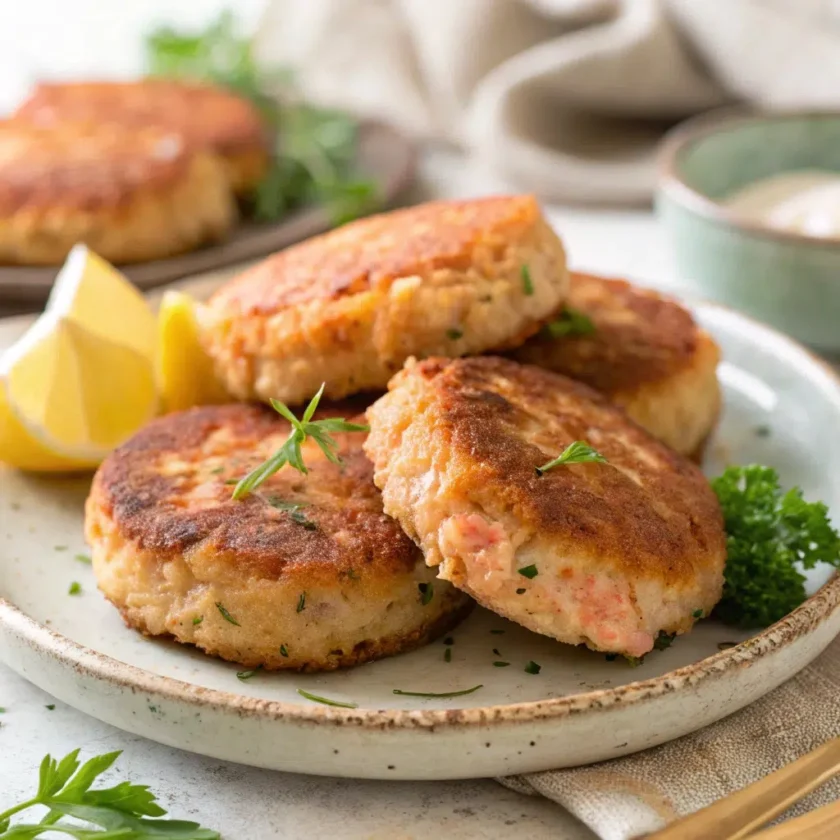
(497, 632)
(284, 651)
(447, 655)
(301, 604)
(246, 675)
(50, 707)
(226, 615)
(454, 334)
(532, 668)
(197, 620)
(664, 640)
(75, 588)
(763, 431)
(449, 640)
(83, 558)
(697, 614)
(427, 591)
(570, 322)
(529, 572)
(326, 701)
(527, 283)
(60, 547)
(500, 664)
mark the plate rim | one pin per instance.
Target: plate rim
(807, 617)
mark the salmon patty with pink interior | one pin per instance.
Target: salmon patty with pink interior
(306, 573)
(608, 555)
(642, 350)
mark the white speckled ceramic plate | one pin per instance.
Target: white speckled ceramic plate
(578, 709)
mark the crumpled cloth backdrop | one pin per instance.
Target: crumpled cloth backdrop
(565, 98)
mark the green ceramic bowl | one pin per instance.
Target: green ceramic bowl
(789, 280)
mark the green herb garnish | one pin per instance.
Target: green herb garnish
(520, 591)
(611, 657)
(527, 283)
(282, 504)
(431, 694)
(301, 604)
(447, 655)
(501, 664)
(50, 707)
(300, 519)
(497, 632)
(449, 640)
(290, 453)
(496, 652)
(570, 322)
(769, 533)
(697, 614)
(762, 431)
(427, 590)
(66, 789)
(226, 615)
(664, 640)
(529, 572)
(313, 149)
(75, 588)
(454, 334)
(579, 452)
(246, 675)
(284, 651)
(326, 701)
(60, 547)
(83, 558)
(532, 668)
(197, 620)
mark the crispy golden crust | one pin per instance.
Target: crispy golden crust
(170, 544)
(128, 194)
(349, 307)
(455, 446)
(207, 118)
(646, 353)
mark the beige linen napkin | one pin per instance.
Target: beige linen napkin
(566, 98)
(630, 796)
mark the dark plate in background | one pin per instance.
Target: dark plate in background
(384, 155)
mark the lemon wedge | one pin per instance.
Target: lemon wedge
(81, 379)
(184, 371)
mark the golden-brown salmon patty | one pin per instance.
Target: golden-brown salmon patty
(645, 352)
(129, 194)
(604, 554)
(206, 117)
(348, 308)
(306, 573)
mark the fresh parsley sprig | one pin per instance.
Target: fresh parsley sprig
(579, 452)
(290, 452)
(770, 535)
(313, 150)
(66, 789)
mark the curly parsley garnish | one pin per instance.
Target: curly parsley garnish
(66, 789)
(529, 572)
(579, 452)
(532, 667)
(570, 322)
(769, 534)
(290, 453)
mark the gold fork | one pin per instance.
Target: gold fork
(745, 811)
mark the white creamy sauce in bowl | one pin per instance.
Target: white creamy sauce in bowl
(805, 201)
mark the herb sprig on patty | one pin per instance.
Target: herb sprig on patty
(290, 452)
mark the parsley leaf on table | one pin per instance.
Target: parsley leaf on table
(66, 789)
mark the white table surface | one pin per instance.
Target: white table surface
(245, 803)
